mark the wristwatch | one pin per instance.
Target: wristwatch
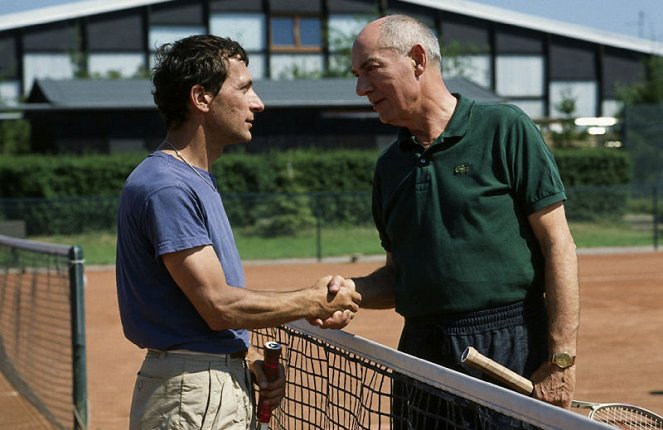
(563, 360)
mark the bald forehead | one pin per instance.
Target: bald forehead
(367, 49)
(371, 32)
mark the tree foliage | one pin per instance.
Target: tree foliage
(649, 90)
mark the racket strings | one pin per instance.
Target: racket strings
(626, 418)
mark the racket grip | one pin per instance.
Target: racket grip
(511, 379)
(272, 352)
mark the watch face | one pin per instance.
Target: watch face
(562, 360)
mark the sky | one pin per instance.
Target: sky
(638, 18)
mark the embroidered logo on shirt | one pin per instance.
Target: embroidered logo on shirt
(462, 169)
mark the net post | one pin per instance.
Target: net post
(77, 283)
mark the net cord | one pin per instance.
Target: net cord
(34, 246)
(492, 396)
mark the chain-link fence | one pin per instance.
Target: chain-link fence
(330, 221)
(643, 139)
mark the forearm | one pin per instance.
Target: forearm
(378, 290)
(250, 309)
(551, 383)
(562, 296)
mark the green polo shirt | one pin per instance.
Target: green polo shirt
(454, 216)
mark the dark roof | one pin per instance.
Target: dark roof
(341, 92)
(136, 94)
(90, 94)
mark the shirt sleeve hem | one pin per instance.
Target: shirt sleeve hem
(181, 245)
(547, 201)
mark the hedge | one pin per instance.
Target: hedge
(597, 182)
(274, 191)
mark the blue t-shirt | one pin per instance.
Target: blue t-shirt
(166, 207)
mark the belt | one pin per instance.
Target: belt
(235, 355)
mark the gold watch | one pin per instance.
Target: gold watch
(563, 360)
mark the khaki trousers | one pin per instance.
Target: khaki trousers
(189, 390)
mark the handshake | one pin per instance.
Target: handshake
(339, 302)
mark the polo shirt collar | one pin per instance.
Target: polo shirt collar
(456, 128)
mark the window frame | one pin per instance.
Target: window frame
(297, 47)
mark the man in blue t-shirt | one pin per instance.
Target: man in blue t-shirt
(469, 206)
(180, 281)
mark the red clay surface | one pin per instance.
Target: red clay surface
(620, 351)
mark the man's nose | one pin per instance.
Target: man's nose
(363, 87)
(256, 103)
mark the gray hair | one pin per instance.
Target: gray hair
(402, 32)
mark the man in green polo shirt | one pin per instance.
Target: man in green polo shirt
(468, 202)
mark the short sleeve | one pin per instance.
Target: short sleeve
(175, 220)
(533, 172)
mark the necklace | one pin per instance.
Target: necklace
(179, 155)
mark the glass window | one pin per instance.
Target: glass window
(126, 65)
(343, 29)
(9, 93)
(519, 76)
(309, 31)
(161, 35)
(46, 66)
(475, 68)
(283, 31)
(583, 93)
(533, 108)
(611, 107)
(284, 66)
(296, 32)
(257, 65)
(8, 59)
(246, 28)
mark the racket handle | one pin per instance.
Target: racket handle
(511, 379)
(272, 352)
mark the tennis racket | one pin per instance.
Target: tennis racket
(272, 351)
(619, 415)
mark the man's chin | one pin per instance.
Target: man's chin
(385, 119)
(241, 140)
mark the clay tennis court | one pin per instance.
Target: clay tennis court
(620, 351)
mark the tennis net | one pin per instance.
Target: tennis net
(336, 380)
(42, 330)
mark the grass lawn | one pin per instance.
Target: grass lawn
(99, 248)
(593, 235)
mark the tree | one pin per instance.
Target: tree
(650, 90)
(643, 107)
(569, 133)
(14, 136)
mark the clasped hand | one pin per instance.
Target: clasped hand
(337, 285)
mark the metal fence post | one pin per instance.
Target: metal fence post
(655, 215)
(318, 228)
(77, 282)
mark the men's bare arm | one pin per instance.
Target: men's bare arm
(200, 276)
(378, 290)
(552, 384)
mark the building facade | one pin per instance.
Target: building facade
(532, 62)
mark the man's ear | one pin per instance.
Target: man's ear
(419, 59)
(200, 98)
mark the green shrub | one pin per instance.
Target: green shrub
(272, 193)
(596, 181)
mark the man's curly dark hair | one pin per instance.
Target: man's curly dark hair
(194, 60)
